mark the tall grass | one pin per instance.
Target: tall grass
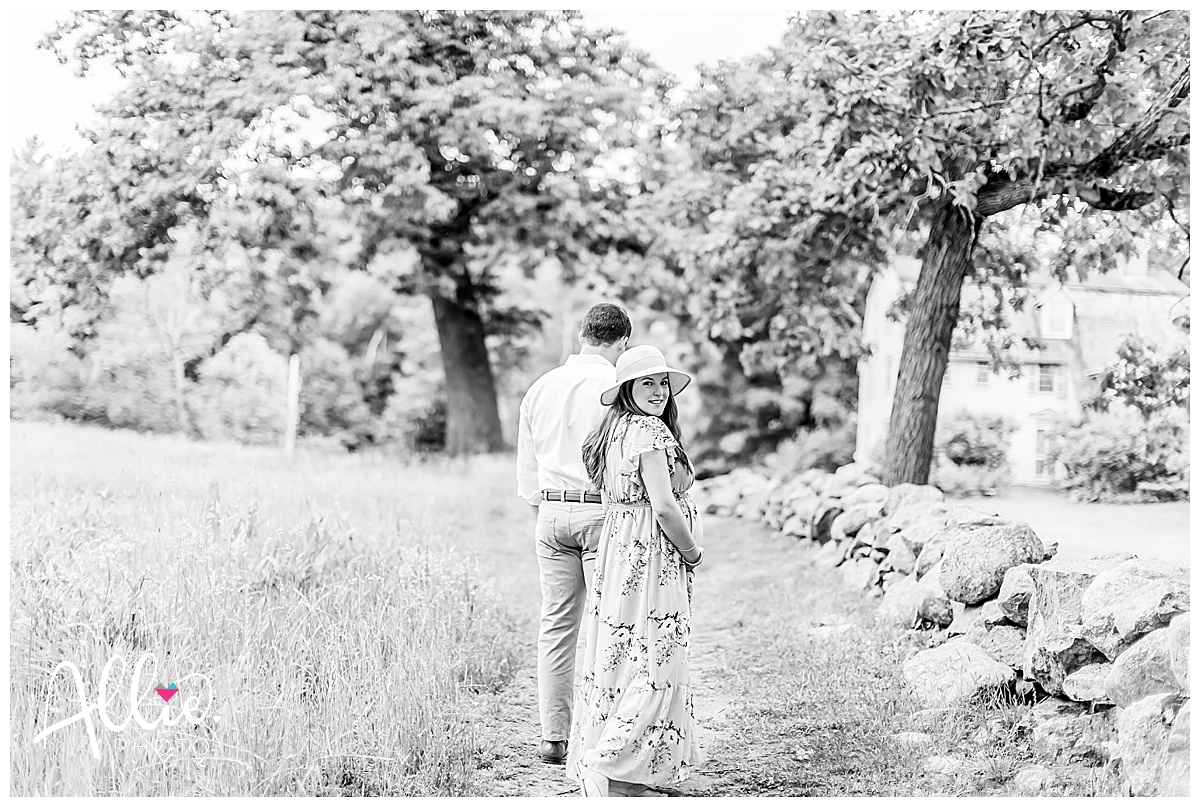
(327, 601)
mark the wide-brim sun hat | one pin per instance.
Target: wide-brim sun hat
(641, 361)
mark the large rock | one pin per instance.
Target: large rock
(1015, 591)
(990, 614)
(900, 557)
(922, 529)
(853, 519)
(953, 673)
(1142, 670)
(822, 520)
(978, 554)
(1177, 768)
(1076, 738)
(1130, 600)
(879, 538)
(930, 554)
(805, 506)
(901, 602)
(1054, 643)
(1143, 738)
(855, 474)
(753, 503)
(860, 573)
(872, 495)
(828, 557)
(796, 527)
(1004, 643)
(1032, 780)
(935, 605)
(1088, 683)
(1180, 632)
(907, 493)
(965, 616)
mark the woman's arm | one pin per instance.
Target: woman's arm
(657, 480)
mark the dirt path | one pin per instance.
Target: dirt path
(756, 602)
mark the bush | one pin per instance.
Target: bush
(242, 392)
(824, 447)
(1121, 456)
(46, 381)
(331, 398)
(971, 453)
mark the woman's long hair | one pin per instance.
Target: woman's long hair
(595, 447)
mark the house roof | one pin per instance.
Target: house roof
(1108, 307)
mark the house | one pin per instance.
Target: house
(1080, 323)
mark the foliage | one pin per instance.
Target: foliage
(827, 447)
(485, 141)
(1146, 379)
(975, 439)
(972, 453)
(1120, 455)
(869, 133)
(243, 391)
(331, 399)
(46, 380)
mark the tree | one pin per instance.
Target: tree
(773, 318)
(1145, 378)
(880, 132)
(468, 136)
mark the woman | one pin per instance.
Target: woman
(633, 724)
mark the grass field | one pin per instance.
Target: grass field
(366, 627)
(333, 605)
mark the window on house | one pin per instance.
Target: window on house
(1056, 318)
(981, 373)
(1042, 464)
(1050, 379)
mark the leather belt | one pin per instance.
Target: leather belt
(578, 496)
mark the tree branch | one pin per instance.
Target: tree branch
(1090, 93)
(1131, 146)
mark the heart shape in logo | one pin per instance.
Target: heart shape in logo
(168, 692)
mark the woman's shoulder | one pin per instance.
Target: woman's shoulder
(649, 426)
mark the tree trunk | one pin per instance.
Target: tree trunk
(927, 334)
(179, 383)
(472, 416)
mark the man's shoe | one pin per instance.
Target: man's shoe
(553, 751)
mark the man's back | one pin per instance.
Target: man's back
(558, 412)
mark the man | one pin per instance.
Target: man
(557, 414)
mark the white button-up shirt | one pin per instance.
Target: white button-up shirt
(557, 414)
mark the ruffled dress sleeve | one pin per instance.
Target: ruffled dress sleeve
(647, 433)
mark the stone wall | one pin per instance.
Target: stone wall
(1103, 642)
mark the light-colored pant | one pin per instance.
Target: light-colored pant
(567, 535)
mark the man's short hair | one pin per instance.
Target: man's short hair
(604, 324)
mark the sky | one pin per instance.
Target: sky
(47, 99)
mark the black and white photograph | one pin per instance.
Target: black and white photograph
(613, 402)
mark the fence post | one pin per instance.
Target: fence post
(293, 405)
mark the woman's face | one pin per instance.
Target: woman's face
(651, 393)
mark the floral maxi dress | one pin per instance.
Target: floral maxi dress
(633, 719)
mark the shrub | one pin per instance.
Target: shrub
(242, 391)
(971, 453)
(46, 381)
(824, 447)
(1145, 378)
(331, 398)
(1120, 456)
